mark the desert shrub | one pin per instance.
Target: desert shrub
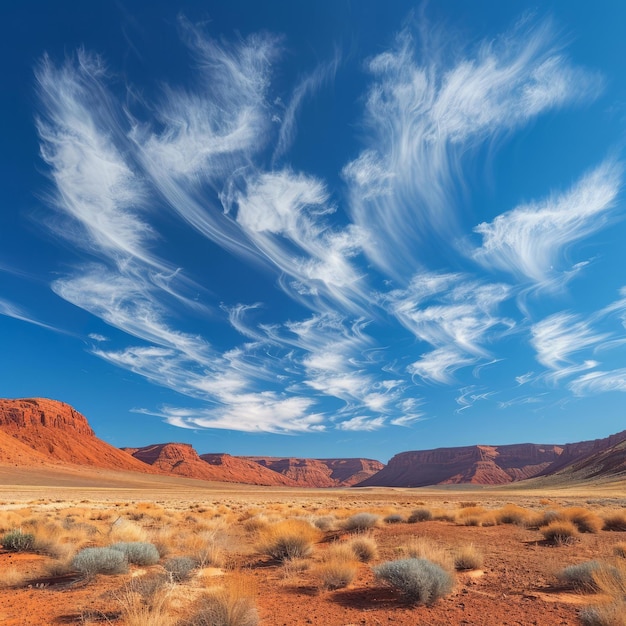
(615, 521)
(512, 514)
(360, 522)
(619, 549)
(611, 580)
(18, 541)
(363, 548)
(612, 614)
(393, 518)
(145, 602)
(324, 523)
(179, 568)
(467, 504)
(289, 539)
(336, 573)
(420, 515)
(580, 576)
(586, 521)
(425, 548)
(443, 515)
(420, 581)
(125, 530)
(470, 516)
(91, 561)
(467, 557)
(559, 532)
(231, 606)
(138, 552)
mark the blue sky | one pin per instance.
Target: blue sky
(316, 229)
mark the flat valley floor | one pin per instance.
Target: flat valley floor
(220, 528)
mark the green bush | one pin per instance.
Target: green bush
(138, 552)
(90, 561)
(17, 541)
(419, 580)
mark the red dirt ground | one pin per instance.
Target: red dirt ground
(516, 586)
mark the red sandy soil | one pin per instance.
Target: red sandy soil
(516, 586)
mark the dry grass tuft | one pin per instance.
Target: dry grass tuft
(364, 549)
(585, 520)
(468, 558)
(145, 603)
(619, 549)
(615, 521)
(233, 605)
(560, 532)
(512, 514)
(421, 547)
(289, 539)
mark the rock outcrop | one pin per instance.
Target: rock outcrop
(483, 465)
(38, 431)
(321, 472)
(498, 465)
(181, 459)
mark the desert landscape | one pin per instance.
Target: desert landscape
(92, 535)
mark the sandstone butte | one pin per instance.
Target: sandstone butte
(498, 465)
(40, 432)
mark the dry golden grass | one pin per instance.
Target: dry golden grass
(12, 577)
(231, 605)
(126, 530)
(468, 557)
(585, 520)
(144, 604)
(289, 539)
(335, 573)
(619, 549)
(512, 514)
(615, 521)
(363, 548)
(560, 532)
(421, 547)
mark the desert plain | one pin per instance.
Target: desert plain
(214, 543)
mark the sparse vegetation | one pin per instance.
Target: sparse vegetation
(467, 558)
(232, 605)
(615, 521)
(361, 522)
(560, 532)
(138, 552)
(586, 521)
(420, 581)
(18, 541)
(363, 548)
(179, 568)
(420, 515)
(580, 576)
(90, 561)
(289, 539)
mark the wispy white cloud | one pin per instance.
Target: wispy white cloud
(439, 365)
(424, 114)
(10, 309)
(95, 186)
(530, 240)
(307, 87)
(557, 337)
(599, 382)
(98, 337)
(468, 396)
